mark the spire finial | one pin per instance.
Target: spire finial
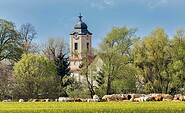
(80, 17)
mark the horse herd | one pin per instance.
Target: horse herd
(116, 98)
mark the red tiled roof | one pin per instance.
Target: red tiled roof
(74, 68)
(75, 59)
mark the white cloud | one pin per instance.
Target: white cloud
(109, 2)
(97, 5)
(157, 3)
(153, 4)
(102, 4)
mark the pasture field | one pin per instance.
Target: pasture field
(85, 107)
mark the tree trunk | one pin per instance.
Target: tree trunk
(109, 85)
(90, 87)
(61, 88)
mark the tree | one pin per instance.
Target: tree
(74, 89)
(27, 33)
(100, 78)
(87, 58)
(55, 46)
(63, 72)
(152, 57)
(115, 52)
(126, 84)
(178, 58)
(56, 50)
(5, 81)
(34, 76)
(10, 41)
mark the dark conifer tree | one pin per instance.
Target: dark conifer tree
(100, 78)
(63, 72)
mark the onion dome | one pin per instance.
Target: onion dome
(80, 28)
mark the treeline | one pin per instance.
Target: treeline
(29, 70)
(149, 64)
(124, 63)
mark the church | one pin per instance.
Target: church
(80, 39)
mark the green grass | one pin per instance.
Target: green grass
(102, 107)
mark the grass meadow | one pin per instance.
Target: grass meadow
(85, 107)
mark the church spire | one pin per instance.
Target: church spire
(80, 17)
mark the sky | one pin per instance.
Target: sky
(58, 17)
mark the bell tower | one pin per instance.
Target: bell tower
(80, 39)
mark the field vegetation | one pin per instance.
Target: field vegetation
(101, 107)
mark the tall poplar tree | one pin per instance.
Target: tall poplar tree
(178, 58)
(152, 57)
(115, 52)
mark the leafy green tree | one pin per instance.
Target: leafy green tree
(126, 84)
(178, 58)
(34, 76)
(115, 52)
(87, 59)
(77, 89)
(152, 57)
(10, 41)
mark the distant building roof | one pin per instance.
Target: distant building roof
(80, 28)
(74, 59)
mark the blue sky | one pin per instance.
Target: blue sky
(58, 17)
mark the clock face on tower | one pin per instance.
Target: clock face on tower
(75, 36)
(87, 36)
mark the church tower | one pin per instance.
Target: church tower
(80, 39)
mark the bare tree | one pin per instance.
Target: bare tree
(27, 33)
(55, 46)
